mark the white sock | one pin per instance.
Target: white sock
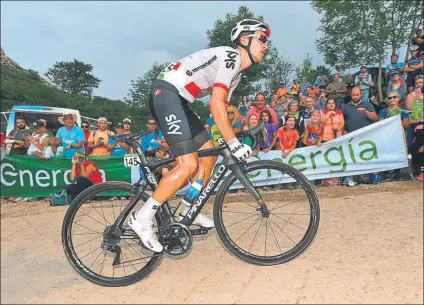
(148, 210)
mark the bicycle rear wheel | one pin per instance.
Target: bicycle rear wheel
(113, 262)
(291, 225)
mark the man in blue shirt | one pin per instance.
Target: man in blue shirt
(120, 147)
(152, 137)
(394, 66)
(70, 136)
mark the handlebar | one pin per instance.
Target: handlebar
(251, 133)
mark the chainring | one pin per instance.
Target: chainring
(176, 239)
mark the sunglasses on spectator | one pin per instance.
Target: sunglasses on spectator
(230, 112)
(151, 123)
(84, 126)
(261, 38)
(392, 97)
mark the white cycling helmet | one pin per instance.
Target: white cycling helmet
(249, 25)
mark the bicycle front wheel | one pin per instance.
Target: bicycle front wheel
(291, 225)
(101, 256)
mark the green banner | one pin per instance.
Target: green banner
(30, 176)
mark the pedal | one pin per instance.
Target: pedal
(200, 231)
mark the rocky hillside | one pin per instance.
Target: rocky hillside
(7, 62)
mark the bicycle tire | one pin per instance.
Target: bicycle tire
(72, 257)
(287, 256)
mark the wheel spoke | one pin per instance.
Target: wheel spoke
(283, 231)
(242, 220)
(254, 237)
(248, 229)
(289, 222)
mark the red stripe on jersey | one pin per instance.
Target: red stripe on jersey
(210, 88)
(177, 66)
(193, 89)
(220, 86)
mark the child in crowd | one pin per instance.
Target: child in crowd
(271, 137)
(314, 130)
(252, 122)
(49, 149)
(288, 136)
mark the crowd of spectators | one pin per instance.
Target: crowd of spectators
(301, 114)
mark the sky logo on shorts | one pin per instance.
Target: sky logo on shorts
(157, 92)
(173, 125)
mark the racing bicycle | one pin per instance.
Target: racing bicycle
(257, 217)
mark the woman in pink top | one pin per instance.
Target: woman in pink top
(333, 121)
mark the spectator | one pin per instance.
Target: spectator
(127, 125)
(208, 130)
(36, 138)
(306, 114)
(260, 105)
(314, 130)
(333, 121)
(321, 102)
(164, 151)
(338, 70)
(363, 80)
(414, 101)
(268, 97)
(252, 122)
(84, 127)
(394, 66)
(99, 140)
(48, 150)
(273, 105)
(282, 90)
(322, 80)
(418, 40)
(268, 142)
(17, 137)
(295, 90)
(235, 119)
(151, 137)
(357, 113)
(336, 91)
(305, 85)
(48, 132)
(293, 110)
(70, 137)
(414, 66)
(279, 108)
(397, 84)
(350, 84)
(311, 93)
(242, 108)
(287, 136)
(120, 148)
(84, 174)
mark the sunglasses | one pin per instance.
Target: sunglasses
(151, 123)
(261, 38)
(392, 97)
(230, 112)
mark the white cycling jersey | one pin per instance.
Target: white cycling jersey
(204, 70)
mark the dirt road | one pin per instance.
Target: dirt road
(369, 249)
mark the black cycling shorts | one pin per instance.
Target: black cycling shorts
(182, 129)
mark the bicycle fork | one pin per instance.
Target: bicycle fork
(248, 185)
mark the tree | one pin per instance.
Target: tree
(140, 90)
(305, 69)
(74, 77)
(220, 36)
(280, 70)
(354, 33)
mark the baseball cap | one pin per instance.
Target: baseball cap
(363, 66)
(37, 124)
(127, 120)
(101, 119)
(119, 125)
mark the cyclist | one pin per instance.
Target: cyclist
(219, 71)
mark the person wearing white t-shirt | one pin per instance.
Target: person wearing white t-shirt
(36, 138)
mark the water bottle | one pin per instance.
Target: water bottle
(193, 192)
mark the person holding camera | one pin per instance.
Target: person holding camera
(99, 140)
(84, 174)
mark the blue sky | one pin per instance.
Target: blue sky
(123, 39)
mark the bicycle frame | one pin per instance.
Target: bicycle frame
(148, 169)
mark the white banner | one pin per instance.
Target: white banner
(375, 148)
